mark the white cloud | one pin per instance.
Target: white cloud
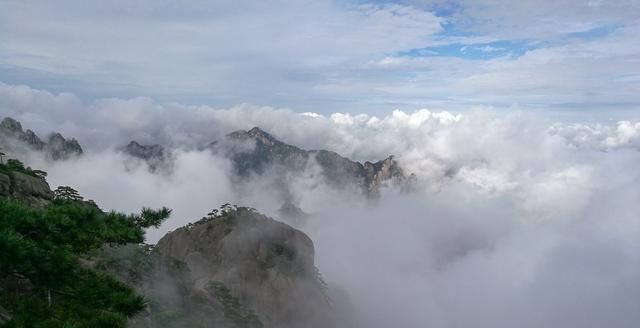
(225, 52)
(516, 221)
(326, 56)
(529, 19)
(625, 134)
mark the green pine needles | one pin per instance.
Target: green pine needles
(47, 275)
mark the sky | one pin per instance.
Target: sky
(329, 56)
(520, 119)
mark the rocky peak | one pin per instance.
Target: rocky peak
(339, 171)
(60, 148)
(262, 136)
(14, 139)
(267, 265)
(263, 139)
(264, 152)
(154, 155)
(379, 172)
(136, 149)
(32, 139)
(10, 125)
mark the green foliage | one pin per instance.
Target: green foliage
(46, 246)
(233, 309)
(67, 193)
(92, 299)
(152, 218)
(14, 165)
(162, 280)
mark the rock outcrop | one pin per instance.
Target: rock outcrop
(30, 189)
(14, 139)
(267, 265)
(255, 151)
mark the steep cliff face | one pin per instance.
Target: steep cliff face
(173, 298)
(267, 265)
(14, 139)
(255, 151)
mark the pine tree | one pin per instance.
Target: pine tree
(49, 249)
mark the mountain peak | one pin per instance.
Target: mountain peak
(338, 170)
(257, 131)
(9, 124)
(154, 155)
(276, 262)
(133, 143)
(15, 139)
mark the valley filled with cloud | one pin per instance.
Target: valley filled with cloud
(513, 220)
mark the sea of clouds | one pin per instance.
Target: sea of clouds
(516, 220)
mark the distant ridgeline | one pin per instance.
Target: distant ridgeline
(252, 152)
(66, 263)
(256, 152)
(14, 139)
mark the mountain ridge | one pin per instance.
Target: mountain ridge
(339, 171)
(57, 147)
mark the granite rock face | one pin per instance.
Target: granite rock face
(29, 189)
(267, 265)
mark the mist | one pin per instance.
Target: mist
(516, 220)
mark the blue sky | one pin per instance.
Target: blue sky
(328, 56)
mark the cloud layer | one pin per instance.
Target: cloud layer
(517, 220)
(329, 56)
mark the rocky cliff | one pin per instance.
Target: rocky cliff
(267, 265)
(14, 139)
(174, 299)
(22, 186)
